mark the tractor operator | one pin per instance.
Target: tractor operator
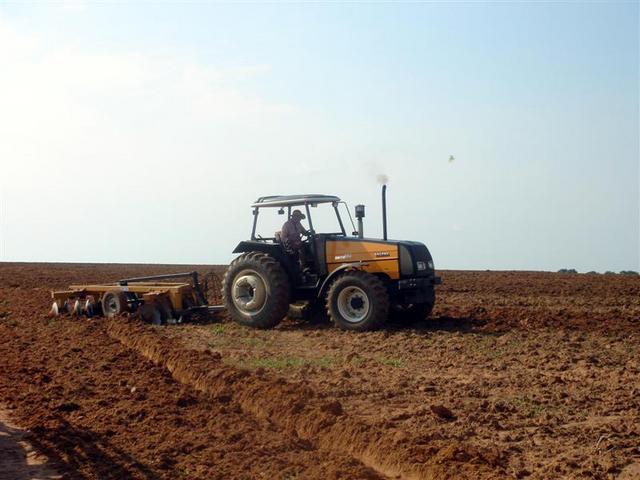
(291, 235)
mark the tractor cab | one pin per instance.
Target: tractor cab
(324, 220)
(322, 213)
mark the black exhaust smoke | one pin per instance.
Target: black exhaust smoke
(384, 212)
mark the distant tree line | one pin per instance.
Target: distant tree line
(593, 272)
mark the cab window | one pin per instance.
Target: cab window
(324, 219)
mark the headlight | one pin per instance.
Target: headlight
(430, 263)
(406, 262)
(421, 265)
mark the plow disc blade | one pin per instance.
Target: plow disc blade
(55, 310)
(76, 310)
(89, 308)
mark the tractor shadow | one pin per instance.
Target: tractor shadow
(320, 322)
(17, 460)
(442, 323)
(76, 449)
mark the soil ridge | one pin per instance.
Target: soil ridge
(298, 410)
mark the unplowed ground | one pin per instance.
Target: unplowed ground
(526, 375)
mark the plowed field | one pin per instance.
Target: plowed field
(517, 375)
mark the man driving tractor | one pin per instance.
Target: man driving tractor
(291, 236)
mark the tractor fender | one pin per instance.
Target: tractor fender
(342, 268)
(249, 246)
(272, 249)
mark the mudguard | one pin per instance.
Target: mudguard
(335, 273)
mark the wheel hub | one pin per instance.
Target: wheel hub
(249, 292)
(357, 303)
(353, 304)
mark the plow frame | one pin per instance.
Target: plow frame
(181, 298)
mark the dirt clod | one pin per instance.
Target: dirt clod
(442, 412)
(67, 407)
(334, 408)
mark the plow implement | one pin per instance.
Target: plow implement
(153, 298)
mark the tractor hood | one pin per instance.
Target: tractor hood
(406, 258)
(415, 259)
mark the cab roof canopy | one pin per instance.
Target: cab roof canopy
(293, 200)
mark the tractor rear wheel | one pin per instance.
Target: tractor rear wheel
(358, 301)
(114, 303)
(256, 290)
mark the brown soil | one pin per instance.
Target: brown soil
(521, 374)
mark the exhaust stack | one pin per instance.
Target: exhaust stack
(360, 216)
(384, 212)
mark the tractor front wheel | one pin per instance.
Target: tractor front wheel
(358, 301)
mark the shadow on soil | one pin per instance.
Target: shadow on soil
(14, 464)
(442, 323)
(73, 447)
(433, 324)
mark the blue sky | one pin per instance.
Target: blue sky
(188, 112)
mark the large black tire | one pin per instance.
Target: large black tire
(414, 312)
(256, 290)
(114, 303)
(358, 301)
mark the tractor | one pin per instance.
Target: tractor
(360, 282)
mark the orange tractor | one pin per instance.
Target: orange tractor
(358, 281)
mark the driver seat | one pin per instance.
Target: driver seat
(278, 238)
(293, 256)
